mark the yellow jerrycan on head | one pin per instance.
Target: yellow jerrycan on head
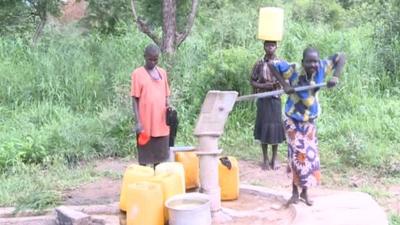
(145, 205)
(270, 24)
(171, 185)
(228, 169)
(172, 167)
(134, 173)
(190, 162)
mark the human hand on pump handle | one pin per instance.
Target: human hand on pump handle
(288, 89)
(333, 82)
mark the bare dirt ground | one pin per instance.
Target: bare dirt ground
(107, 188)
(73, 11)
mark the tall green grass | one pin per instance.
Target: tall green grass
(394, 219)
(32, 187)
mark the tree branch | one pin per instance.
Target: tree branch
(143, 26)
(190, 20)
(39, 30)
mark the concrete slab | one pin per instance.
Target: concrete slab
(10, 212)
(345, 208)
(105, 220)
(35, 220)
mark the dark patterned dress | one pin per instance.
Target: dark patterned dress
(268, 127)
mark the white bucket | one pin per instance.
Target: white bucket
(190, 208)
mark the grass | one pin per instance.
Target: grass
(394, 219)
(38, 188)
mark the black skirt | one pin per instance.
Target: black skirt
(155, 151)
(269, 127)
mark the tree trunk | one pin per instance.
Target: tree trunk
(171, 38)
(39, 30)
(169, 26)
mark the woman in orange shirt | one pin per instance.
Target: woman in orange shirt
(150, 99)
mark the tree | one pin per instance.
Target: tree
(171, 38)
(104, 15)
(17, 15)
(14, 17)
(40, 9)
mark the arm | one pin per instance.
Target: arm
(254, 79)
(286, 87)
(136, 116)
(168, 91)
(266, 85)
(338, 61)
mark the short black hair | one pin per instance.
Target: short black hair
(309, 50)
(152, 49)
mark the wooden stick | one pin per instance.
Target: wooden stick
(277, 92)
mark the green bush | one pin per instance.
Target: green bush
(227, 70)
(318, 12)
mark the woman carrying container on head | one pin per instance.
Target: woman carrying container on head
(268, 127)
(302, 110)
(150, 100)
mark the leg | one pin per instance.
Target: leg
(304, 197)
(265, 163)
(273, 163)
(295, 196)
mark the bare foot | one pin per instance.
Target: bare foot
(288, 169)
(304, 197)
(275, 165)
(293, 200)
(265, 166)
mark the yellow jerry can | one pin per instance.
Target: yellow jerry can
(172, 167)
(134, 173)
(171, 185)
(190, 162)
(228, 169)
(145, 205)
(270, 24)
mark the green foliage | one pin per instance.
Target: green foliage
(318, 12)
(20, 17)
(40, 200)
(387, 36)
(72, 105)
(227, 70)
(34, 187)
(236, 30)
(14, 17)
(42, 133)
(394, 219)
(104, 15)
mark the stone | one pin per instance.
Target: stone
(276, 206)
(68, 216)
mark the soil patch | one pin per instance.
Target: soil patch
(253, 208)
